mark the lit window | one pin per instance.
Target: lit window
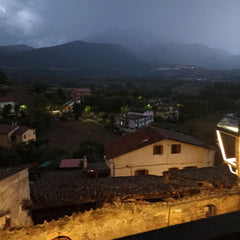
(176, 148)
(158, 149)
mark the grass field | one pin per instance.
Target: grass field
(205, 128)
(192, 89)
(68, 135)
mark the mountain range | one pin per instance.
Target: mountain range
(15, 49)
(78, 55)
(162, 49)
(120, 56)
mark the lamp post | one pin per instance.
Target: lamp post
(228, 136)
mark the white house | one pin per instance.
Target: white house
(4, 101)
(135, 119)
(12, 134)
(153, 151)
(168, 111)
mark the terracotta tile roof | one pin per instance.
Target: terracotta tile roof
(182, 137)
(6, 99)
(6, 128)
(144, 137)
(132, 141)
(70, 163)
(21, 130)
(62, 188)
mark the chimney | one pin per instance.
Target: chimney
(84, 162)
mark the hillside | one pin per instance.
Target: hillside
(191, 54)
(86, 57)
(74, 133)
(20, 95)
(161, 50)
(3, 78)
(15, 49)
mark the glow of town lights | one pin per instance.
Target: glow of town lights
(230, 161)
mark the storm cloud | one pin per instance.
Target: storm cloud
(50, 22)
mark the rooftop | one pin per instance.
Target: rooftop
(6, 99)
(6, 128)
(21, 130)
(135, 116)
(136, 140)
(59, 188)
(97, 166)
(7, 172)
(71, 163)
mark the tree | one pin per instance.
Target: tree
(93, 150)
(77, 110)
(61, 95)
(3, 78)
(6, 110)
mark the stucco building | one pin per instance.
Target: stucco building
(79, 93)
(135, 119)
(14, 195)
(4, 101)
(151, 151)
(12, 134)
(168, 111)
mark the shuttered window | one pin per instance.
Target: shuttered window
(141, 172)
(157, 149)
(176, 148)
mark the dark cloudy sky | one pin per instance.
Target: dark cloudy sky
(39, 23)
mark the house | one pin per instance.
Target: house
(14, 198)
(168, 111)
(68, 106)
(97, 170)
(79, 93)
(72, 163)
(135, 119)
(153, 151)
(12, 134)
(5, 101)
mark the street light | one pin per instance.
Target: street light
(228, 136)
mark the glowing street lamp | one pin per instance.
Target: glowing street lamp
(228, 136)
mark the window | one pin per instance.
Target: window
(158, 149)
(211, 210)
(176, 148)
(141, 172)
(24, 136)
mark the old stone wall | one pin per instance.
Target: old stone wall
(122, 219)
(14, 192)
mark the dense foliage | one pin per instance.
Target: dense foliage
(93, 150)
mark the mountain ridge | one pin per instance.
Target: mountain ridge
(10, 49)
(101, 58)
(161, 49)
(87, 57)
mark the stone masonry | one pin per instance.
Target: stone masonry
(14, 194)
